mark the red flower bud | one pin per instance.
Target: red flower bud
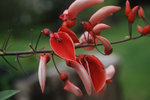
(87, 26)
(146, 30)
(127, 8)
(141, 13)
(46, 31)
(132, 14)
(139, 28)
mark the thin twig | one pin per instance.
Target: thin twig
(77, 47)
(17, 58)
(55, 64)
(145, 21)
(38, 40)
(31, 37)
(97, 47)
(6, 40)
(9, 63)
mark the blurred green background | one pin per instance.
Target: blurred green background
(23, 15)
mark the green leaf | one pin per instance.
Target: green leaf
(4, 95)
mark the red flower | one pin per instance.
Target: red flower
(95, 69)
(70, 87)
(144, 31)
(82, 74)
(107, 45)
(103, 13)
(62, 45)
(70, 33)
(132, 14)
(110, 71)
(44, 59)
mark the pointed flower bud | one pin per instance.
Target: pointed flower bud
(78, 5)
(70, 87)
(132, 14)
(103, 13)
(127, 8)
(141, 13)
(99, 27)
(139, 28)
(44, 59)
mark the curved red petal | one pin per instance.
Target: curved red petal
(82, 74)
(70, 33)
(103, 13)
(97, 72)
(110, 71)
(78, 5)
(106, 44)
(102, 92)
(70, 87)
(63, 46)
(99, 27)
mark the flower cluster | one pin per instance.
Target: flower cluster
(90, 69)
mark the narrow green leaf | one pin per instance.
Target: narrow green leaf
(4, 95)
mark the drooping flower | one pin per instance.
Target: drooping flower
(95, 69)
(78, 5)
(82, 74)
(69, 15)
(107, 45)
(103, 13)
(62, 45)
(70, 33)
(44, 59)
(70, 87)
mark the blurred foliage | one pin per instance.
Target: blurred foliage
(23, 15)
(4, 95)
